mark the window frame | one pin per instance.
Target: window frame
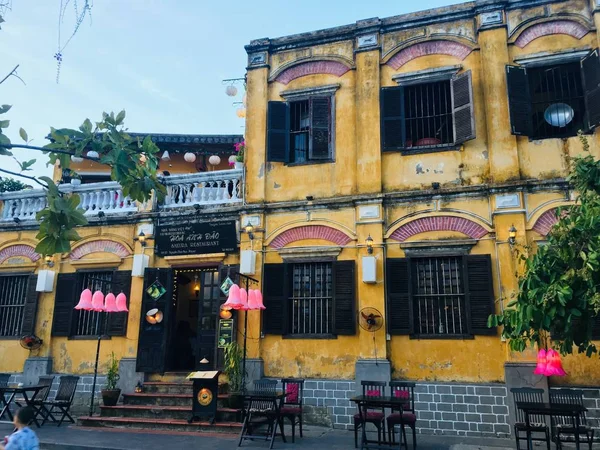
(309, 151)
(22, 306)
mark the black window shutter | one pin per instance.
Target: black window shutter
(519, 100)
(117, 322)
(344, 298)
(31, 306)
(320, 128)
(590, 70)
(64, 301)
(463, 113)
(278, 132)
(596, 328)
(398, 285)
(480, 290)
(392, 118)
(275, 281)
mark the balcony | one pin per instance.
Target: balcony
(224, 187)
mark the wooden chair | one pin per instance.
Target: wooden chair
(563, 425)
(537, 423)
(292, 404)
(37, 402)
(405, 417)
(4, 378)
(375, 416)
(63, 400)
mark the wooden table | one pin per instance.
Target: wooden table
(364, 403)
(265, 408)
(551, 409)
(11, 392)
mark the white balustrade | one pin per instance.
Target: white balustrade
(207, 188)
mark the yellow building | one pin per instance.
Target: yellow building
(394, 167)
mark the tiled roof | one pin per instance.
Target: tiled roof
(223, 139)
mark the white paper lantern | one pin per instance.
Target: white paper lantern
(165, 156)
(189, 157)
(214, 160)
(241, 113)
(77, 159)
(232, 159)
(231, 90)
(93, 154)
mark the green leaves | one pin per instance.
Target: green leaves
(23, 134)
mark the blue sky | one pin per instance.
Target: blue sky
(161, 60)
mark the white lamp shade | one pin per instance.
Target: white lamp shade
(93, 154)
(214, 160)
(165, 156)
(77, 159)
(189, 157)
(231, 90)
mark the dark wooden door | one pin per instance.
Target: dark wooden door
(152, 346)
(208, 313)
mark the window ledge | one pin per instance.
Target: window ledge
(10, 338)
(421, 150)
(89, 338)
(310, 336)
(547, 58)
(311, 163)
(447, 337)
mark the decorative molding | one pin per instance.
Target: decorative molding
(310, 232)
(257, 59)
(504, 201)
(568, 27)
(367, 41)
(426, 76)
(19, 250)
(434, 47)
(311, 68)
(439, 223)
(100, 246)
(546, 221)
(298, 94)
(310, 254)
(200, 260)
(491, 18)
(438, 248)
(367, 212)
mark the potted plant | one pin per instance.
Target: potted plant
(240, 149)
(111, 394)
(233, 370)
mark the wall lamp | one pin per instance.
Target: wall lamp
(512, 235)
(48, 260)
(369, 242)
(249, 229)
(142, 238)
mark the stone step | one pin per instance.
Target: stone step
(169, 377)
(163, 387)
(165, 412)
(165, 399)
(159, 424)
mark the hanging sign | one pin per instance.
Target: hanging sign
(196, 238)
(225, 332)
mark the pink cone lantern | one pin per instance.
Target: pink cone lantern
(243, 305)
(252, 303)
(233, 301)
(110, 303)
(85, 301)
(554, 366)
(98, 301)
(259, 300)
(541, 363)
(121, 303)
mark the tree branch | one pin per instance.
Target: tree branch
(10, 73)
(15, 174)
(48, 150)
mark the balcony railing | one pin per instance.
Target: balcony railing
(214, 188)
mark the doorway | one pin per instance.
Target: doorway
(196, 301)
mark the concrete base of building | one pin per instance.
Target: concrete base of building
(128, 377)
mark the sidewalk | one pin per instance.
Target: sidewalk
(78, 438)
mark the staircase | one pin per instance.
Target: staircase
(165, 404)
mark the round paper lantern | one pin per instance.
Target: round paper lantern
(559, 115)
(241, 112)
(231, 90)
(214, 160)
(232, 159)
(189, 157)
(93, 154)
(77, 159)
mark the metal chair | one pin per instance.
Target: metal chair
(292, 403)
(37, 402)
(406, 416)
(4, 378)
(265, 385)
(63, 399)
(377, 415)
(563, 425)
(260, 413)
(537, 423)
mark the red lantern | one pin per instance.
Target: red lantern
(554, 366)
(110, 303)
(85, 301)
(121, 303)
(541, 363)
(98, 301)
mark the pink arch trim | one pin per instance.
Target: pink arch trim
(568, 27)
(439, 223)
(19, 250)
(439, 47)
(310, 68)
(310, 232)
(546, 221)
(100, 246)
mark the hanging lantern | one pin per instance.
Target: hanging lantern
(554, 366)
(541, 363)
(110, 303)
(77, 159)
(243, 300)
(122, 303)
(98, 301)
(93, 154)
(234, 300)
(165, 156)
(232, 159)
(85, 301)
(214, 160)
(259, 300)
(252, 300)
(231, 90)
(189, 157)
(154, 316)
(241, 112)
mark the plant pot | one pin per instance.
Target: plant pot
(235, 400)
(238, 165)
(75, 181)
(110, 397)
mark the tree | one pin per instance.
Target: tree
(559, 293)
(11, 185)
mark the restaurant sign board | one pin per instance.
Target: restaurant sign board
(196, 238)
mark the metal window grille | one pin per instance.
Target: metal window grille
(428, 115)
(549, 86)
(439, 298)
(312, 299)
(90, 323)
(13, 293)
(299, 130)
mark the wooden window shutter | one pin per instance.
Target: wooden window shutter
(590, 70)
(64, 302)
(463, 113)
(519, 101)
(398, 286)
(320, 130)
(344, 302)
(392, 118)
(31, 306)
(117, 322)
(480, 292)
(275, 298)
(278, 132)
